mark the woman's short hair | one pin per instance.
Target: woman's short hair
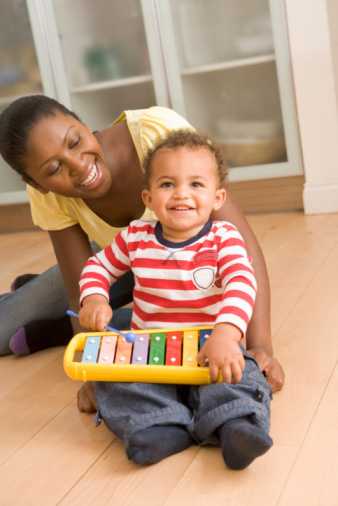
(18, 119)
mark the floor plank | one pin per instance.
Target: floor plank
(50, 454)
(308, 347)
(207, 481)
(25, 410)
(313, 478)
(24, 252)
(24, 367)
(52, 461)
(114, 480)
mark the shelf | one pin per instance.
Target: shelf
(215, 67)
(11, 98)
(14, 197)
(114, 83)
(266, 171)
(7, 100)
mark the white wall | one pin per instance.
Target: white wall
(315, 73)
(333, 26)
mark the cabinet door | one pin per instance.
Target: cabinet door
(228, 73)
(100, 55)
(19, 75)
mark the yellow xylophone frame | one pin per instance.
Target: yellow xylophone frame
(184, 375)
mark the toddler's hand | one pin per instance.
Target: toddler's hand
(223, 354)
(95, 313)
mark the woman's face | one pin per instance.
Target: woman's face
(64, 156)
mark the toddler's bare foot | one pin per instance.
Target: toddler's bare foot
(86, 401)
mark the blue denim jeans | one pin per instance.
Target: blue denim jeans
(45, 297)
(127, 408)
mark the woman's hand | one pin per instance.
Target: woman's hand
(223, 354)
(86, 401)
(95, 313)
(270, 367)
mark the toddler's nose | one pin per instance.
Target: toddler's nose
(181, 192)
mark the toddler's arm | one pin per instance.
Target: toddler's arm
(258, 336)
(98, 274)
(239, 292)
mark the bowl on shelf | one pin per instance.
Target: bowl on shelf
(241, 153)
(247, 129)
(251, 142)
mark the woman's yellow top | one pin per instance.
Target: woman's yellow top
(56, 212)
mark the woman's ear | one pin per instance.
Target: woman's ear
(146, 197)
(220, 198)
(27, 179)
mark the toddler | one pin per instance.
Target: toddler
(189, 271)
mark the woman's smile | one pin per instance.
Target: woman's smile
(93, 177)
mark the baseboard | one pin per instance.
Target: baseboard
(320, 199)
(269, 195)
(260, 196)
(15, 218)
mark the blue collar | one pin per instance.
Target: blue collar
(170, 244)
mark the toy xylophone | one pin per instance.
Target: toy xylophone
(155, 356)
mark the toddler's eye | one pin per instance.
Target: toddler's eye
(196, 184)
(166, 184)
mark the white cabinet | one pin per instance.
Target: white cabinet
(229, 73)
(223, 64)
(19, 75)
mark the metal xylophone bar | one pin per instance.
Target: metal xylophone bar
(171, 348)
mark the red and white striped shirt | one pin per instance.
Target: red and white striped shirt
(205, 280)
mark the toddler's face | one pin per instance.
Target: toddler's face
(183, 190)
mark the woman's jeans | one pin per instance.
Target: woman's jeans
(44, 297)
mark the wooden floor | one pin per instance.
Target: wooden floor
(52, 455)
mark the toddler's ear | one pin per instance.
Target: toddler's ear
(146, 197)
(220, 198)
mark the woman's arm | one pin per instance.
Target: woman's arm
(259, 330)
(72, 249)
(258, 335)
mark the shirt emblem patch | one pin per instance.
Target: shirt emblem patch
(204, 277)
(204, 274)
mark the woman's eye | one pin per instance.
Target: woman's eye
(74, 142)
(54, 169)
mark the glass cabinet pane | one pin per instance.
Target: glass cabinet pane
(10, 181)
(19, 74)
(98, 108)
(228, 77)
(221, 30)
(106, 58)
(101, 41)
(19, 71)
(241, 112)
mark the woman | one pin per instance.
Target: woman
(82, 187)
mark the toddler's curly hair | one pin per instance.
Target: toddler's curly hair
(189, 139)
